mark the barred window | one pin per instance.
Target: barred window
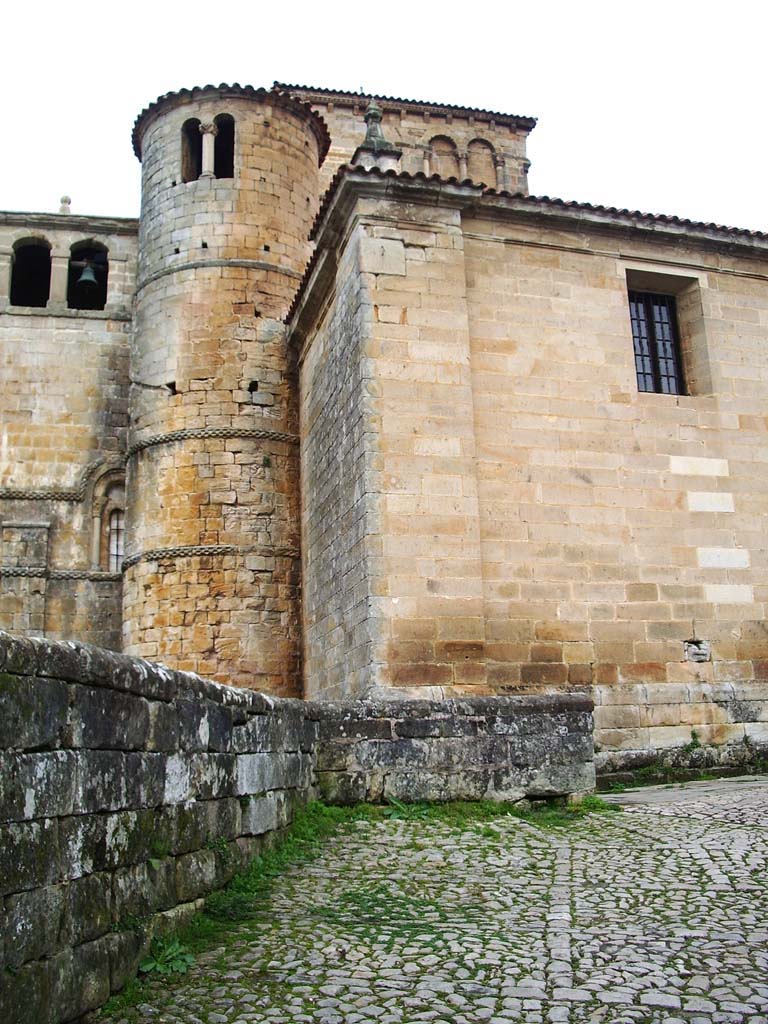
(657, 343)
(116, 539)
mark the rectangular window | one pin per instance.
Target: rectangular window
(657, 343)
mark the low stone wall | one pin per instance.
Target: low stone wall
(126, 790)
(504, 748)
(695, 724)
(129, 791)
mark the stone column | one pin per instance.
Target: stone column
(463, 175)
(425, 162)
(502, 182)
(209, 132)
(5, 277)
(59, 274)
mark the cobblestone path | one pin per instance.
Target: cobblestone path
(655, 914)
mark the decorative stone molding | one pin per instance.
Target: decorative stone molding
(255, 433)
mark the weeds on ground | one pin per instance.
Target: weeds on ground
(167, 956)
(312, 826)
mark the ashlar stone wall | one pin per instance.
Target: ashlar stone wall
(533, 523)
(64, 397)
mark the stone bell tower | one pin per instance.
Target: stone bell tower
(229, 191)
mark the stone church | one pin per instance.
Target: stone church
(348, 412)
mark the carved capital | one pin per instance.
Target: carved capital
(209, 129)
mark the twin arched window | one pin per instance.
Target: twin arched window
(213, 159)
(478, 162)
(86, 278)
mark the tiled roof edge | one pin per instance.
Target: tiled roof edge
(318, 124)
(349, 98)
(346, 170)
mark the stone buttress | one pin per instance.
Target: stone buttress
(229, 190)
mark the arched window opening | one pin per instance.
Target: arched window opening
(87, 278)
(191, 150)
(481, 166)
(444, 159)
(108, 512)
(31, 273)
(116, 531)
(224, 146)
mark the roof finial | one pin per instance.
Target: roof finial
(65, 204)
(375, 151)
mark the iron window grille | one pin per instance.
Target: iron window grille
(657, 343)
(116, 540)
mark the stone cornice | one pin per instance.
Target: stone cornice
(71, 222)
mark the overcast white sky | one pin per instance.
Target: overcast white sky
(657, 106)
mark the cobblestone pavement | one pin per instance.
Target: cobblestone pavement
(655, 914)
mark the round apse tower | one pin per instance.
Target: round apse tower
(229, 192)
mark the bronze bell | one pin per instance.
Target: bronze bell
(87, 281)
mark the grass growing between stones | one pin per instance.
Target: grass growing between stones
(315, 824)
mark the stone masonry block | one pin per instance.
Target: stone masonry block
(257, 773)
(37, 785)
(263, 813)
(143, 889)
(91, 976)
(110, 780)
(163, 727)
(87, 908)
(33, 712)
(38, 992)
(382, 256)
(29, 855)
(212, 776)
(18, 655)
(90, 843)
(33, 922)
(195, 874)
(664, 736)
(101, 719)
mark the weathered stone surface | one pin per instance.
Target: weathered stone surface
(264, 814)
(33, 922)
(195, 874)
(102, 719)
(109, 780)
(143, 889)
(37, 785)
(163, 727)
(124, 949)
(29, 855)
(257, 773)
(107, 841)
(87, 909)
(90, 976)
(27, 995)
(343, 787)
(18, 654)
(33, 712)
